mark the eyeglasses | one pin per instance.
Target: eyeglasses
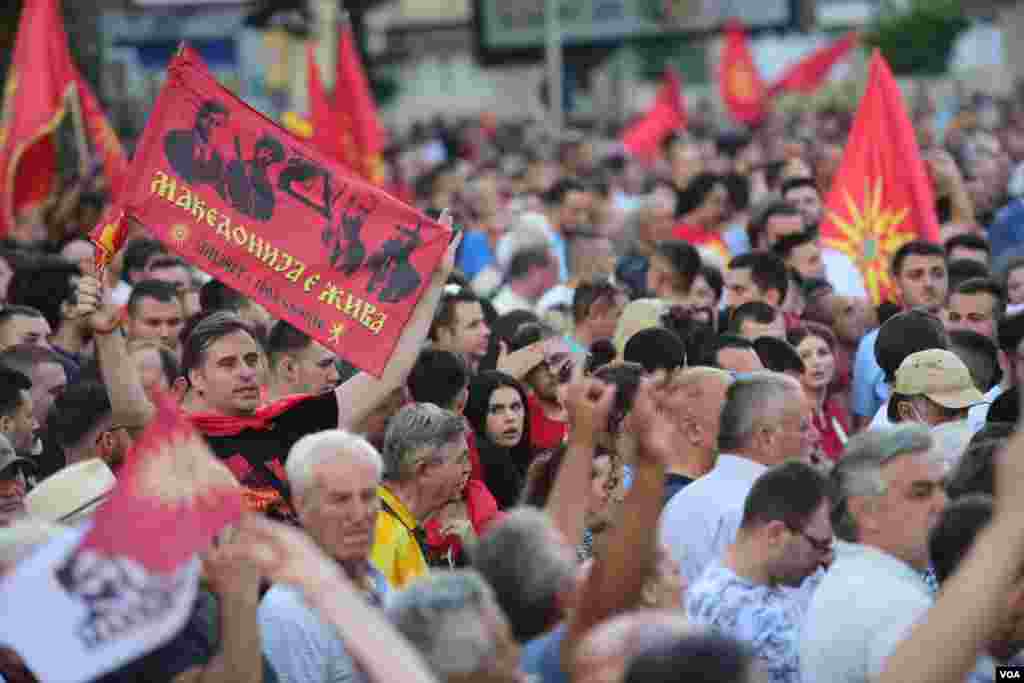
(823, 546)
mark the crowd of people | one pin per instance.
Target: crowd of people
(642, 426)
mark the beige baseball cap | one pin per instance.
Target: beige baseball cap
(939, 375)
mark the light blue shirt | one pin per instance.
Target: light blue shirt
(701, 520)
(300, 645)
(866, 604)
(870, 390)
(475, 253)
(562, 250)
(978, 415)
(767, 618)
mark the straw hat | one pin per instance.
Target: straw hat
(72, 494)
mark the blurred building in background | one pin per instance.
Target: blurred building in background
(455, 58)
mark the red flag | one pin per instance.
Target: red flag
(108, 237)
(329, 130)
(35, 98)
(352, 94)
(102, 136)
(279, 220)
(125, 584)
(643, 138)
(809, 73)
(881, 197)
(740, 82)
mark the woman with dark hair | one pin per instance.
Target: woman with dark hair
(496, 411)
(701, 211)
(604, 481)
(815, 344)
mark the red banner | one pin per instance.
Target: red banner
(881, 197)
(643, 139)
(271, 216)
(125, 584)
(35, 98)
(103, 137)
(352, 93)
(812, 71)
(739, 80)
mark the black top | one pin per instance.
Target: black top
(257, 456)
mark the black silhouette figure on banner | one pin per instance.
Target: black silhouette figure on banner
(349, 251)
(119, 595)
(191, 152)
(391, 266)
(249, 187)
(299, 180)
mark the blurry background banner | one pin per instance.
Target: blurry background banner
(740, 84)
(43, 91)
(643, 139)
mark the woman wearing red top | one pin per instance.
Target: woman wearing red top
(701, 210)
(815, 345)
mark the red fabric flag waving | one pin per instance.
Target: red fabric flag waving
(279, 220)
(808, 74)
(352, 94)
(102, 136)
(35, 96)
(881, 197)
(644, 137)
(125, 584)
(330, 132)
(108, 237)
(739, 81)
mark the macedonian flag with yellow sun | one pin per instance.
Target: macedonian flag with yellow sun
(881, 197)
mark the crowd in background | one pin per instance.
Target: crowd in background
(644, 425)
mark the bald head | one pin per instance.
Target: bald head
(603, 654)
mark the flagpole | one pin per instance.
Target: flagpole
(554, 63)
(78, 125)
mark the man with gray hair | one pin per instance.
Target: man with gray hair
(887, 496)
(334, 477)
(453, 620)
(530, 589)
(764, 422)
(426, 466)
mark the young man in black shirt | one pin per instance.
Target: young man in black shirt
(226, 367)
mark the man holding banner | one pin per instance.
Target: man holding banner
(307, 277)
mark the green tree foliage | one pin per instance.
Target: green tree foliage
(917, 37)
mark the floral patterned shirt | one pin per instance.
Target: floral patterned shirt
(767, 618)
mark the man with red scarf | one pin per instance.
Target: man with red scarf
(225, 367)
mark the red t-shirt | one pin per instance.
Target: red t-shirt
(831, 444)
(545, 433)
(699, 237)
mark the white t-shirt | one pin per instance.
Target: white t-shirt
(845, 278)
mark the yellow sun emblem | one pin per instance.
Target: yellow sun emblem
(742, 82)
(337, 330)
(870, 234)
(180, 233)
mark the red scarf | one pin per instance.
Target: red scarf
(213, 424)
(482, 510)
